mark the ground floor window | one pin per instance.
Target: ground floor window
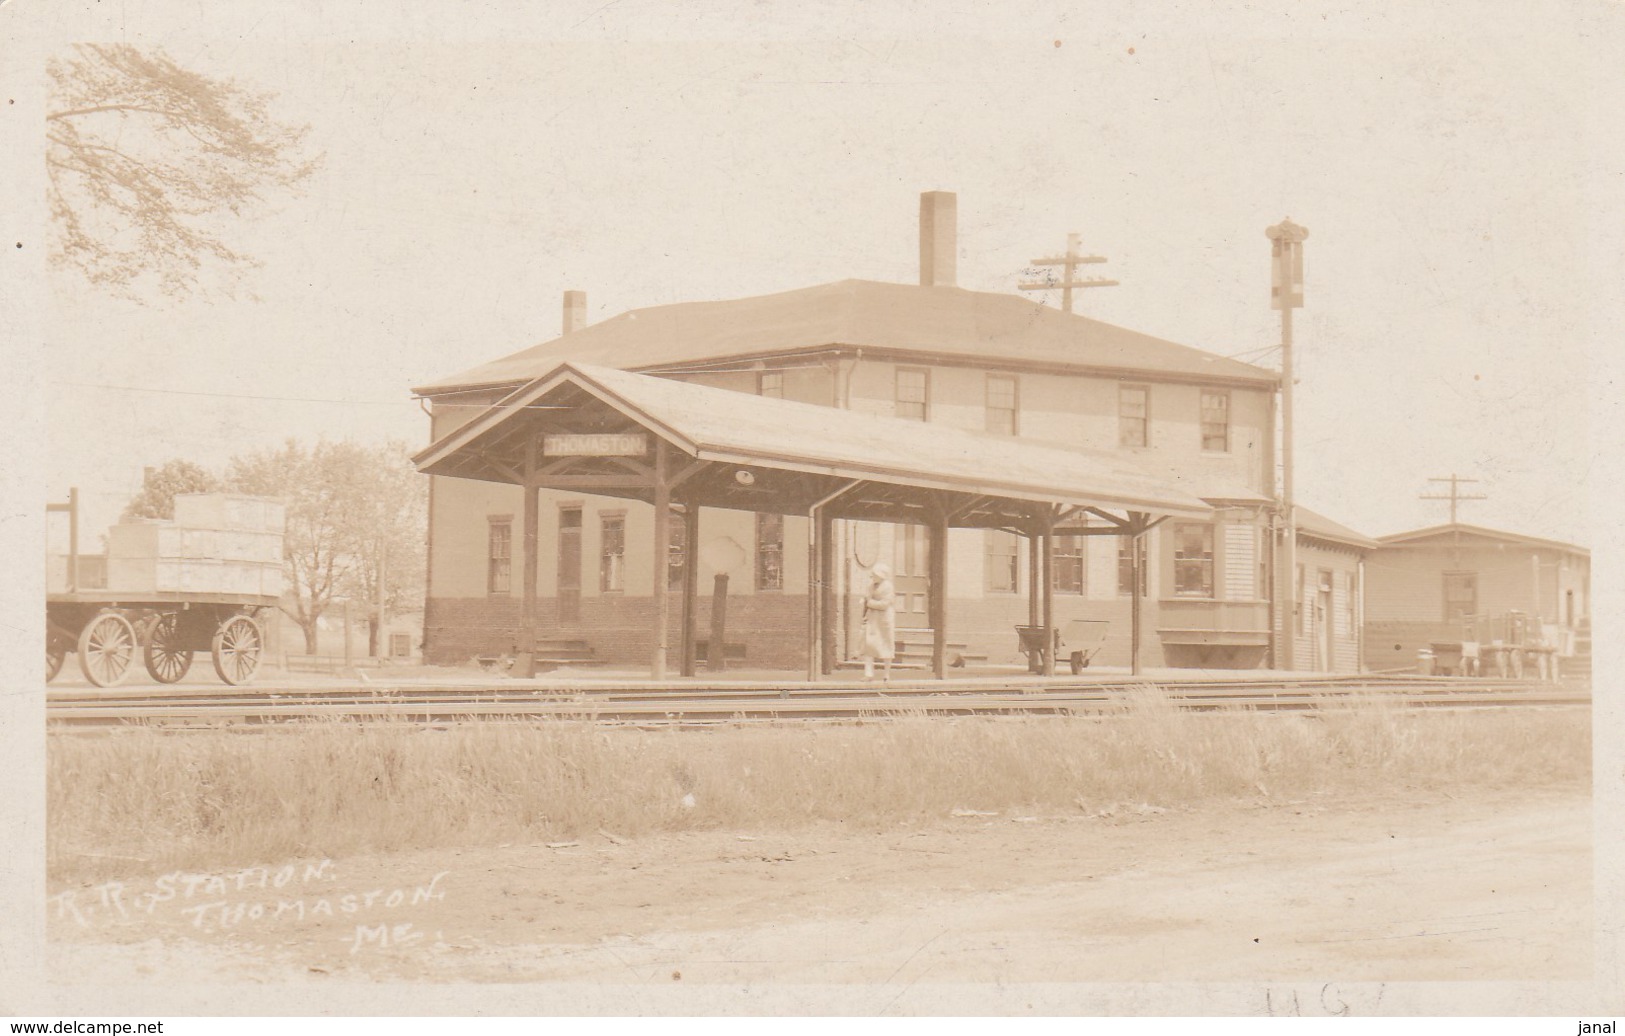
(1193, 560)
(1001, 553)
(1125, 567)
(499, 556)
(612, 553)
(1460, 596)
(1067, 564)
(400, 645)
(770, 552)
(676, 552)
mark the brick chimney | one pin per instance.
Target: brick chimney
(575, 311)
(939, 238)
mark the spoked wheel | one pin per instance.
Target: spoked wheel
(166, 659)
(56, 653)
(107, 649)
(237, 647)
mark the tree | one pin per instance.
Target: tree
(158, 488)
(144, 154)
(391, 548)
(348, 505)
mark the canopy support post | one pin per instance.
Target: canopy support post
(527, 607)
(1032, 579)
(826, 592)
(821, 584)
(938, 595)
(662, 561)
(691, 583)
(1139, 528)
(1047, 589)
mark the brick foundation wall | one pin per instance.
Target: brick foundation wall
(772, 627)
(620, 630)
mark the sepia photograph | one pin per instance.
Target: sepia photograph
(813, 509)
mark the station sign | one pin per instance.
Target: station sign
(598, 444)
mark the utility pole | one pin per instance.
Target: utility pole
(1456, 495)
(1286, 294)
(1069, 262)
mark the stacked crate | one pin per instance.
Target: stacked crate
(218, 543)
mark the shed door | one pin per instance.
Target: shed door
(569, 566)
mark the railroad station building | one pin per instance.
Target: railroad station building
(1178, 451)
(1457, 582)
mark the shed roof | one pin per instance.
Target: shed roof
(907, 319)
(1318, 526)
(1419, 537)
(737, 428)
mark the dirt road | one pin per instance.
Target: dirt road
(1406, 888)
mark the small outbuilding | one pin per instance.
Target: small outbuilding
(1459, 582)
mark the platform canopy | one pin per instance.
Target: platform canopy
(678, 445)
(598, 430)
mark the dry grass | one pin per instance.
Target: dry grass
(149, 800)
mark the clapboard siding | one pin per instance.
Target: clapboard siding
(1240, 562)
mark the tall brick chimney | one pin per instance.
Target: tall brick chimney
(939, 238)
(575, 311)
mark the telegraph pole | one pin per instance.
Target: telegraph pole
(1456, 495)
(1069, 262)
(1286, 294)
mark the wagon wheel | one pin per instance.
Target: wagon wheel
(107, 649)
(56, 653)
(166, 659)
(1078, 662)
(237, 646)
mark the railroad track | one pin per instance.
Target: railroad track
(649, 703)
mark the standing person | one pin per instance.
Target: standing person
(879, 621)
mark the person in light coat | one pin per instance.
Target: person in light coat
(879, 621)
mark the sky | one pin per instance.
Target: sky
(1441, 160)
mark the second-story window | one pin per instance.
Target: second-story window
(1134, 415)
(1215, 421)
(913, 393)
(771, 384)
(1001, 404)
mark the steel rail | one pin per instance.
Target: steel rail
(714, 705)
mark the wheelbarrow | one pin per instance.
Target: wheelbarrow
(1079, 640)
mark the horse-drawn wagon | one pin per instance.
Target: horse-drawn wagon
(166, 591)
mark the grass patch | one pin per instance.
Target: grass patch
(143, 800)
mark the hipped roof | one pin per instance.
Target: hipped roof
(905, 319)
(737, 428)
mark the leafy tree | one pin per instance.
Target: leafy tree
(391, 552)
(144, 155)
(157, 496)
(348, 505)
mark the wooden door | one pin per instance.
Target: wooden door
(911, 571)
(569, 566)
